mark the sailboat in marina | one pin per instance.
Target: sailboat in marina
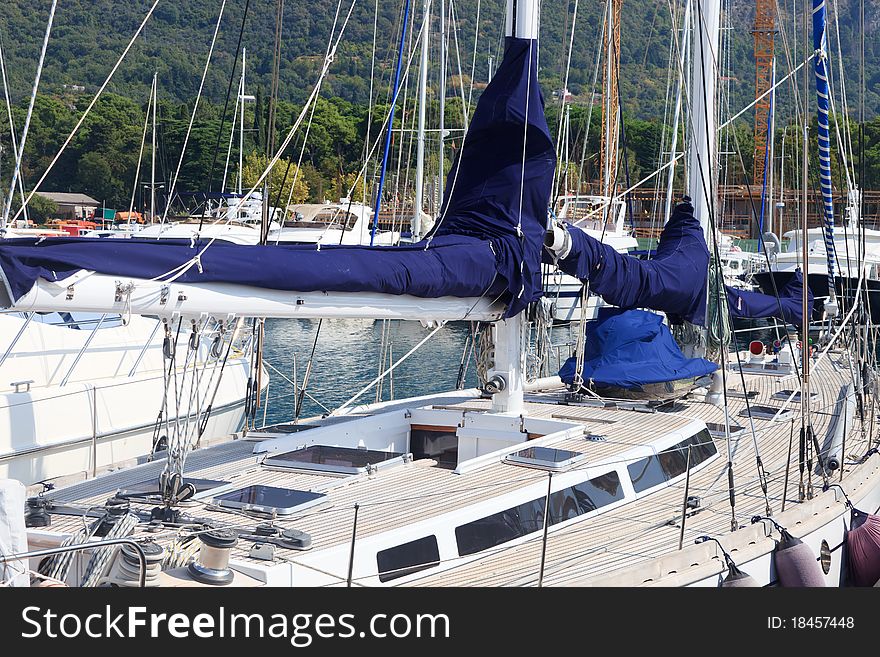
(670, 457)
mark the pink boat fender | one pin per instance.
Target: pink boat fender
(863, 548)
(795, 563)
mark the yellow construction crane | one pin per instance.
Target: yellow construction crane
(764, 34)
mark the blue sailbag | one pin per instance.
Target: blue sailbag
(487, 243)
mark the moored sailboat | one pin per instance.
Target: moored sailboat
(517, 483)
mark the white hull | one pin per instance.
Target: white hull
(78, 400)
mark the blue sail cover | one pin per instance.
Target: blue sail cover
(453, 266)
(483, 246)
(632, 348)
(788, 308)
(674, 281)
(494, 195)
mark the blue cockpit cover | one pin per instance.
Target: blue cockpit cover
(488, 243)
(632, 348)
(673, 281)
(788, 307)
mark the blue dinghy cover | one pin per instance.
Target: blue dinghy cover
(674, 281)
(788, 308)
(632, 348)
(489, 242)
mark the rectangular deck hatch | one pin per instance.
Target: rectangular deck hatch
(766, 412)
(269, 499)
(545, 458)
(341, 460)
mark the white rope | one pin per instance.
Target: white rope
(19, 156)
(101, 558)
(562, 98)
(88, 109)
(12, 136)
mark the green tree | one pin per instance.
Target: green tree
(279, 185)
(95, 177)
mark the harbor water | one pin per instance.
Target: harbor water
(348, 356)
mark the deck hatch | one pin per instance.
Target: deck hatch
(341, 460)
(545, 458)
(766, 412)
(269, 499)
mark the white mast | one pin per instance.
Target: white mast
(507, 374)
(768, 224)
(442, 94)
(420, 139)
(610, 102)
(153, 154)
(703, 155)
(241, 129)
(675, 119)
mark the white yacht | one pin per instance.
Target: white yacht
(82, 392)
(236, 219)
(344, 222)
(856, 255)
(517, 483)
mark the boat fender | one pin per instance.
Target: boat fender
(796, 565)
(736, 578)
(863, 548)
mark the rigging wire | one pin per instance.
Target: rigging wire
(88, 109)
(19, 156)
(192, 117)
(13, 139)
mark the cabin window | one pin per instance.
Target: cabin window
(500, 527)
(585, 497)
(671, 462)
(528, 518)
(408, 558)
(429, 442)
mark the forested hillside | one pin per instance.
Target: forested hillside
(88, 36)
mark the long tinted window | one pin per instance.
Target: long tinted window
(585, 497)
(526, 518)
(671, 462)
(500, 527)
(408, 558)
